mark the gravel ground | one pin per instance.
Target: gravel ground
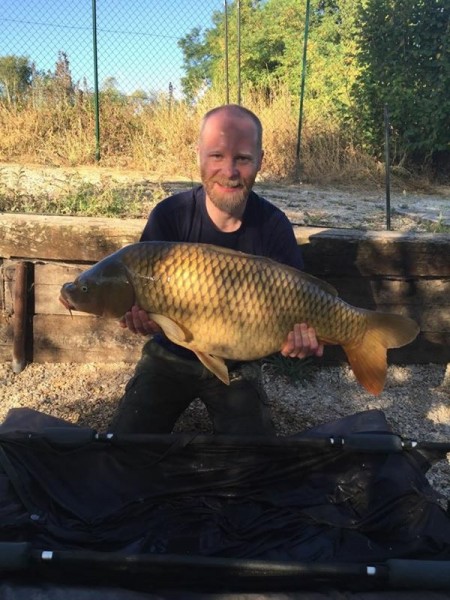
(416, 399)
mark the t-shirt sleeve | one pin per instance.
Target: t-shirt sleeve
(282, 245)
(171, 219)
(159, 226)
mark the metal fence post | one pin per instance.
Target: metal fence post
(227, 79)
(96, 92)
(302, 89)
(238, 51)
(387, 166)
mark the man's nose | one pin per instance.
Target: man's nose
(229, 168)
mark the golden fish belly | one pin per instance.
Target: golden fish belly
(232, 305)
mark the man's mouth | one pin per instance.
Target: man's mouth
(231, 187)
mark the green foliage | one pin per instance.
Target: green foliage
(361, 55)
(297, 371)
(15, 77)
(404, 51)
(271, 47)
(438, 226)
(80, 197)
(196, 62)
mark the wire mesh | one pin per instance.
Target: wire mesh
(138, 51)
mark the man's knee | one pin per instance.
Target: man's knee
(241, 408)
(149, 405)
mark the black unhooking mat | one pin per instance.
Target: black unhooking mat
(345, 504)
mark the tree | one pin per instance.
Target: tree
(15, 77)
(110, 90)
(272, 35)
(197, 62)
(404, 52)
(63, 86)
(204, 51)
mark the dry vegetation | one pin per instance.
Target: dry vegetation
(161, 137)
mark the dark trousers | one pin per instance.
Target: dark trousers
(164, 385)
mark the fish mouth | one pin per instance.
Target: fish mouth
(66, 304)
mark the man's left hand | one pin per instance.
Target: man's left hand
(302, 342)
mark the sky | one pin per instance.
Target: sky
(137, 39)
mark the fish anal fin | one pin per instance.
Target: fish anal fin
(215, 364)
(175, 332)
(368, 358)
(368, 361)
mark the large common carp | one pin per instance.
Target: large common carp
(224, 304)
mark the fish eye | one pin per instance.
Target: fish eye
(84, 288)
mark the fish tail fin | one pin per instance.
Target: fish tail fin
(368, 358)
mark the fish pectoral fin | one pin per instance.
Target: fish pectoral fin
(215, 364)
(175, 332)
(179, 335)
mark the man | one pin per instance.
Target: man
(226, 212)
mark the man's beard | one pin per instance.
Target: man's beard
(228, 202)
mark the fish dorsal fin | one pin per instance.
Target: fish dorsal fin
(215, 364)
(172, 329)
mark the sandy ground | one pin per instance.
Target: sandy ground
(305, 204)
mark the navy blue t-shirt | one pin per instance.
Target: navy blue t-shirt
(265, 231)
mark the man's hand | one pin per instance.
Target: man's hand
(301, 342)
(137, 321)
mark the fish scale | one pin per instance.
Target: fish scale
(235, 290)
(224, 304)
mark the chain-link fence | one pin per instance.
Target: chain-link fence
(137, 40)
(94, 51)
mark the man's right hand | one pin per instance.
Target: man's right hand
(137, 321)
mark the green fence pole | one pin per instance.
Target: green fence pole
(227, 82)
(238, 51)
(387, 167)
(96, 92)
(302, 89)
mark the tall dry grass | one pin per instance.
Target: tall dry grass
(161, 137)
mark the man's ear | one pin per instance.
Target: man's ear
(261, 160)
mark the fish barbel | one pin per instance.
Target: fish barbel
(224, 304)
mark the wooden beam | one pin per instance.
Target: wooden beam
(6, 337)
(48, 279)
(407, 273)
(65, 238)
(7, 282)
(60, 338)
(20, 318)
(374, 253)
